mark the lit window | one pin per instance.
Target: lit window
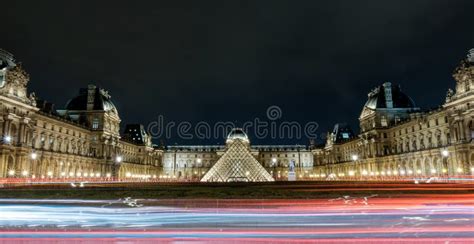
(95, 123)
(383, 121)
(2, 78)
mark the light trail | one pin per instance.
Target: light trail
(420, 218)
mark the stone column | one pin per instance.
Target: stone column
(20, 134)
(6, 127)
(467, 130)
(3, 165)
(462, 133)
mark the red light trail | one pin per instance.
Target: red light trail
(372, 219)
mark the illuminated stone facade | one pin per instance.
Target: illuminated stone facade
(192, 162)
(83, 139)
(398, 139)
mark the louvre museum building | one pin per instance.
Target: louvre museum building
(85, 139)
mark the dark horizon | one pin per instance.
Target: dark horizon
(226, 61)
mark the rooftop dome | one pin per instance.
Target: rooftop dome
(237, 133)
(388, 96)
(100, 100)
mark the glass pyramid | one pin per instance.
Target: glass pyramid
(237, 165)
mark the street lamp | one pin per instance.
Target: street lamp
(8, 139)
(199, 164)
(34, 155)
(354, 158)
(274, 165)
(11, 172)
(118, 159)
(445, 154)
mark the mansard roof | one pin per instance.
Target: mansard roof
(101, 100)
(388, 95)
(342, 132)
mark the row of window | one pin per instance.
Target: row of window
(420, 127)
(59, 129)
(281, 155)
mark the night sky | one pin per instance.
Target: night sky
(231, 60)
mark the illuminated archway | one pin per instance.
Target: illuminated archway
(471, 164)
(13, 133)
(427, 165)
(437, 165)
(11, 166)
(418, 168)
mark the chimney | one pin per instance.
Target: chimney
(387, 86)
(91, 90)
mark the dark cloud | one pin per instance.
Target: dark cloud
(230, 60)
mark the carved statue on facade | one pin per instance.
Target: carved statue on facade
(33, 99)
(292, 166)
(18, 76)
(449, 95)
